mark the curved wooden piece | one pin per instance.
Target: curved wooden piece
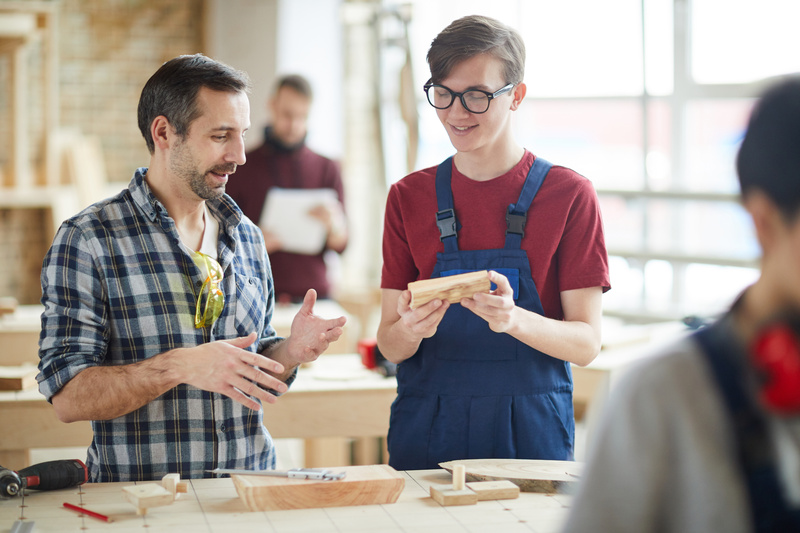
(529, 474)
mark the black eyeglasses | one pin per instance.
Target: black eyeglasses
(474, 100)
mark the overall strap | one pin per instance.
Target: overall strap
(769, 508)
(517, 213)
(446, 215)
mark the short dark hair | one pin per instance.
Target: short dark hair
(297, 83)
(172, 91)
(769, 157)
(472, 35)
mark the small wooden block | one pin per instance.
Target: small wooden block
(446, 495)
(172, 482)
(494, 490)
(148, 495)
(450, 288)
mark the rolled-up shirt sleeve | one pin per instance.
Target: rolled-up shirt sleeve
(74, 333)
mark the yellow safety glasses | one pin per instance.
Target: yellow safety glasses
(205, 315)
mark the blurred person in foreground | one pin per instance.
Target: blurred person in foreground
(706, 437)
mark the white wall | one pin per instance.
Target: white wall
(269, 38)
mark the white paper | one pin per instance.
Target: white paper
(286, 215)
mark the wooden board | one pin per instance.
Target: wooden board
(18, 377)
(362, 485)
(530, 475)
(450, 288)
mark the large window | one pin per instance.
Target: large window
(648, 99)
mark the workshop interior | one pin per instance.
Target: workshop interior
(647, 99)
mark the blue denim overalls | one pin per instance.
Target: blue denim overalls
(469, 392)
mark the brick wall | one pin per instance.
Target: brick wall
(107, 51)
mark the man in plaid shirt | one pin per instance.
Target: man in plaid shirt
(158, 301)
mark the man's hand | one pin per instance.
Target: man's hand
(496, 307)
(228, 368)
(310, 335)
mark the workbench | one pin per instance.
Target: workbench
(212, 505)
(333, 398)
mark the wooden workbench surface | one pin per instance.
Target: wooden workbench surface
(212, 505)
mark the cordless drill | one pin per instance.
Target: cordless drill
(50, 475)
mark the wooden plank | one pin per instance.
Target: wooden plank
(362, 485)
(494, 490)
(529, 474)
(450, 288)
(17, 378)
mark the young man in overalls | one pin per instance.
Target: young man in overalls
(489, 377)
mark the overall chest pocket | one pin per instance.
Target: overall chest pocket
(464, 336)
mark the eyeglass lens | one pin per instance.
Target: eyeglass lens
(474, 101)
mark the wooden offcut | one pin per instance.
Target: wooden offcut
(450, 288)
(362, 485)
(148, 495)
(530, 475)
(173, 483)
(457, 493)
(447, 495)
(494, 490)
(17, 378)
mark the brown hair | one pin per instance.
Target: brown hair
(472, 35)
(172, 91)
(295, 82)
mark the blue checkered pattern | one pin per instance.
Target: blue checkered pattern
(119, 287)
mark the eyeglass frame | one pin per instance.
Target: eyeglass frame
(491, 96)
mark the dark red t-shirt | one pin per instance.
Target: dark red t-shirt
(267, 167)
(563, 234)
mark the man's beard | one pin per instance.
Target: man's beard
(184, 167)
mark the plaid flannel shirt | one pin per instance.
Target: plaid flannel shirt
(119, 287)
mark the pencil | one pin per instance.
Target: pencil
(87, 512)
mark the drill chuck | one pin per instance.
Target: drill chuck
(10, 483)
